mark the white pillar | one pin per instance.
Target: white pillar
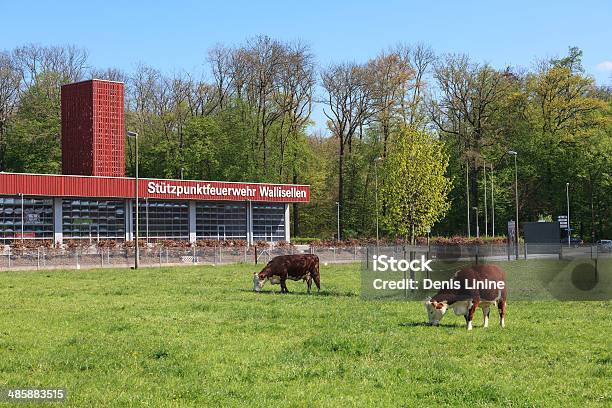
(249, 212)
(58, 234)
(287, 223)
(192, 221)
(129, 231)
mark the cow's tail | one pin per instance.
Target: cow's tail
(316, 275)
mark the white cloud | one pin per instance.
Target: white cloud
(605, 66)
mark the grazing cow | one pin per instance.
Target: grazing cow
(474, 290)
(294, 267)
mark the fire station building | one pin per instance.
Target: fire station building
(93, 200)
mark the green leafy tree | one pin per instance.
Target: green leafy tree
(33, 136)
(416, 188)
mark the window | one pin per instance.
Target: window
(37, 217)
(162, 219)
(268, 222)
(94, 219)
(221, 220)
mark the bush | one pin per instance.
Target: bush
(304, 241)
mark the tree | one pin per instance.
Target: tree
(467, 110)
(9, 97)
(416, 187)
(349, 107)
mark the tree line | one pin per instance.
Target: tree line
(420, 139)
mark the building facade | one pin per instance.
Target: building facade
(93, 200)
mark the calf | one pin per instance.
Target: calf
(294, 267)
(468, 297)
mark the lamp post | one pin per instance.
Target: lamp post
(486, 220)
(22, 216)
(137, 250)
(477, 224)
(467, 195)
(569, 228)
(376, 197)
(516, 202)
(338, 218)
(492, 204)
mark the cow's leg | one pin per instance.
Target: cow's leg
(471, 312)
(309, 283)
(502, 312)
(317, 281)
(283, 284)
(485, 312)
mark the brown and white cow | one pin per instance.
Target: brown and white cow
(468, 297)
(294, 267)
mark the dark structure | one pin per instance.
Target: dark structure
(93, 128)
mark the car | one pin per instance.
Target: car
(604, 245)
(575, 242)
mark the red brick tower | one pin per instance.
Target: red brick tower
(93, 128)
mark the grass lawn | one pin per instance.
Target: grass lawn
(198, 336)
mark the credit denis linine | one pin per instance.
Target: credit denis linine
(468, 284)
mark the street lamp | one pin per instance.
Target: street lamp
(136, 251)
(569, 228)
(477, 224)
(376, 196)
(492, 204)
(486, 220)
(338, 218)
(467, 197)
(22, 216)
(516, 228)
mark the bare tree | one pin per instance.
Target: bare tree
(220, 60)
(467, 107)
(349, 105)
(389, 76)
(109, 74)
(420, 58)
(293, 97)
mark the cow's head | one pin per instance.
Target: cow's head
(257, 282)
(435, 311)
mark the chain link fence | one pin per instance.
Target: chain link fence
(94, 257)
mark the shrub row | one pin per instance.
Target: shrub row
(238, 243)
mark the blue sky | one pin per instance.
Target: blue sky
(175, 36)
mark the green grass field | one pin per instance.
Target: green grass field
(198, 336)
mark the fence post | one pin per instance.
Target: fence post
(9, 258)
(334, 254)
(77, 258)
(194, 255)
(160, 256)
(354, 252)
(38, 258)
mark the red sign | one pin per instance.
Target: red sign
(121, 187)
(25, 235)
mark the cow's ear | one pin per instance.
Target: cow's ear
(439, 305)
